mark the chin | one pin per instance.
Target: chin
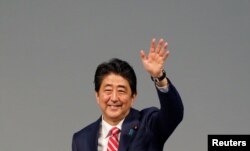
(114, 115)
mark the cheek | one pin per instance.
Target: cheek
(126, 100)
(105, 98)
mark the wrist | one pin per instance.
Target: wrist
(159, 78)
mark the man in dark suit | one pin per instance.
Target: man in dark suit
(115, 86)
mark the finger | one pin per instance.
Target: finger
(159, 46)
(142, 54)
(166, 54)
(152, 47)
(164, 48)
(165, 45)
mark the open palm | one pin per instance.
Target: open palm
(154, 61)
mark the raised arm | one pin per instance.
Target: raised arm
(163, 121)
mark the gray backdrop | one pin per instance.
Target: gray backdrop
(49, 50)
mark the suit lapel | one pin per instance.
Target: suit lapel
(94, 135)
(129, 129)
(128, 132)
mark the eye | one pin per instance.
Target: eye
(107, 91)
(122, 91)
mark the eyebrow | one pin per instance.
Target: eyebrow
(122, 86)
(119, 86)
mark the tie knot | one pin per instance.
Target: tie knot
(114, 131)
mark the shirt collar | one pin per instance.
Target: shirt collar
(106, 127)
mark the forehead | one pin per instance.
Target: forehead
(114, 80)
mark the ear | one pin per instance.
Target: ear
(133, 99)
(97, 97)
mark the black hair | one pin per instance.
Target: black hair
(119, 67)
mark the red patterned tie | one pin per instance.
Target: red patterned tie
(113, 142)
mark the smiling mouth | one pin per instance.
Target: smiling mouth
(114, 107)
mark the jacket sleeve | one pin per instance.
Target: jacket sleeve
(170, 114)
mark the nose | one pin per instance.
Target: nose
(114, 96)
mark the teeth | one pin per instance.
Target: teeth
(114, 106)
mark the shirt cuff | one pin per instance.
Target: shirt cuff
(163, 89)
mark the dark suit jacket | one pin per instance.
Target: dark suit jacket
(145, 130)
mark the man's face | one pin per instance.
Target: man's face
(114, 98)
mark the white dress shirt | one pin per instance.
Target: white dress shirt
(103, 136)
